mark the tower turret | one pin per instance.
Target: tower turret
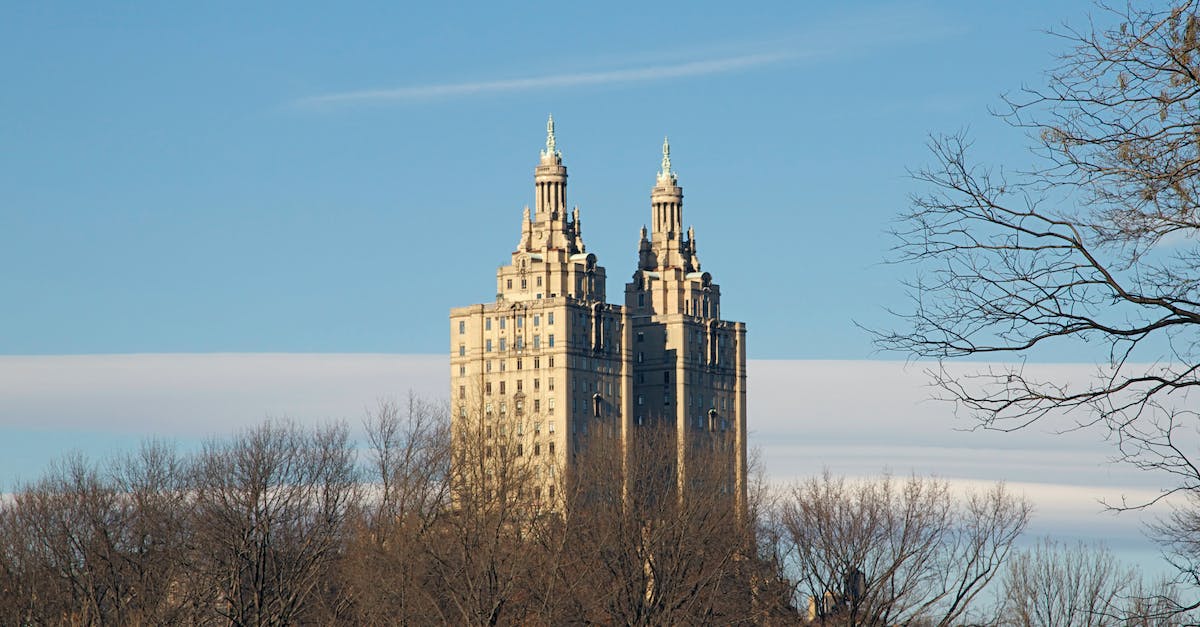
(550, 176)
(670, 249)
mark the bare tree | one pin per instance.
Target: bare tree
(1178, 533)
(655, 546)
(408, 493)
(483, 553)
(886, 552)
(61, 555)
(1058, 585)
(275, 526)
(1095, 244)
(92, 544)
(271, 505)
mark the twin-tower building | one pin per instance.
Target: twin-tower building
(551, 362)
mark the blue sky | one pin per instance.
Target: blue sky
(216, 177)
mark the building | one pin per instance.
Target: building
(550, 362)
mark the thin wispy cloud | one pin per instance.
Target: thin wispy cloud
(862, 32)
(607, 77)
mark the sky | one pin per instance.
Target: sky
(219, 177)
(215, 212)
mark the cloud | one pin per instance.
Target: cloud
(863, 31)
(856, 418)
(195, 395)
(579, 79)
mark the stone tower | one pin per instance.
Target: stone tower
(689, 364)
(550, 362)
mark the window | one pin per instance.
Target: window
(537, 384)
(487, 387)
(462, 327)
(524, 284)
(641, 337)
(539, 281)
(537, 448)
(520, 407)
(641, 357)
(518, 364)
(641, 300)
(551, 485)
(520, 382)
(537, 427)
(487, 451)
(489, 431)
(552, 364)
(487, 324)
(462, 371)
(550, 384)
(462, 391)
(520, 449)
(510, 284)
(503, 321)
(550, 340)
(462, 411)
(502, 389)
(503, 364)
(487, 346)
(489, 407)
(666, 399)
(520, 322)
(503, 409)
(552, 444)
(537, 405)
(537, 363)
(462, 350)
(488, 365)
(537, 318)
(537, 341)
(666, 377)
(550, 427)
(504, 345)
(520, 341)
(550, 318)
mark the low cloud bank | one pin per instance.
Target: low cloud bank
(856, 418)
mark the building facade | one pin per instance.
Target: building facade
(551, 363)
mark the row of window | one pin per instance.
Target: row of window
(697, 400)
(519, 449)
(519, 343)
(487, 387)
(518, 407)
(691, 308)
(518, 320)
(501, 427)
(524, 283)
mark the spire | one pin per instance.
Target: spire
(666, 175)
(551, 153)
